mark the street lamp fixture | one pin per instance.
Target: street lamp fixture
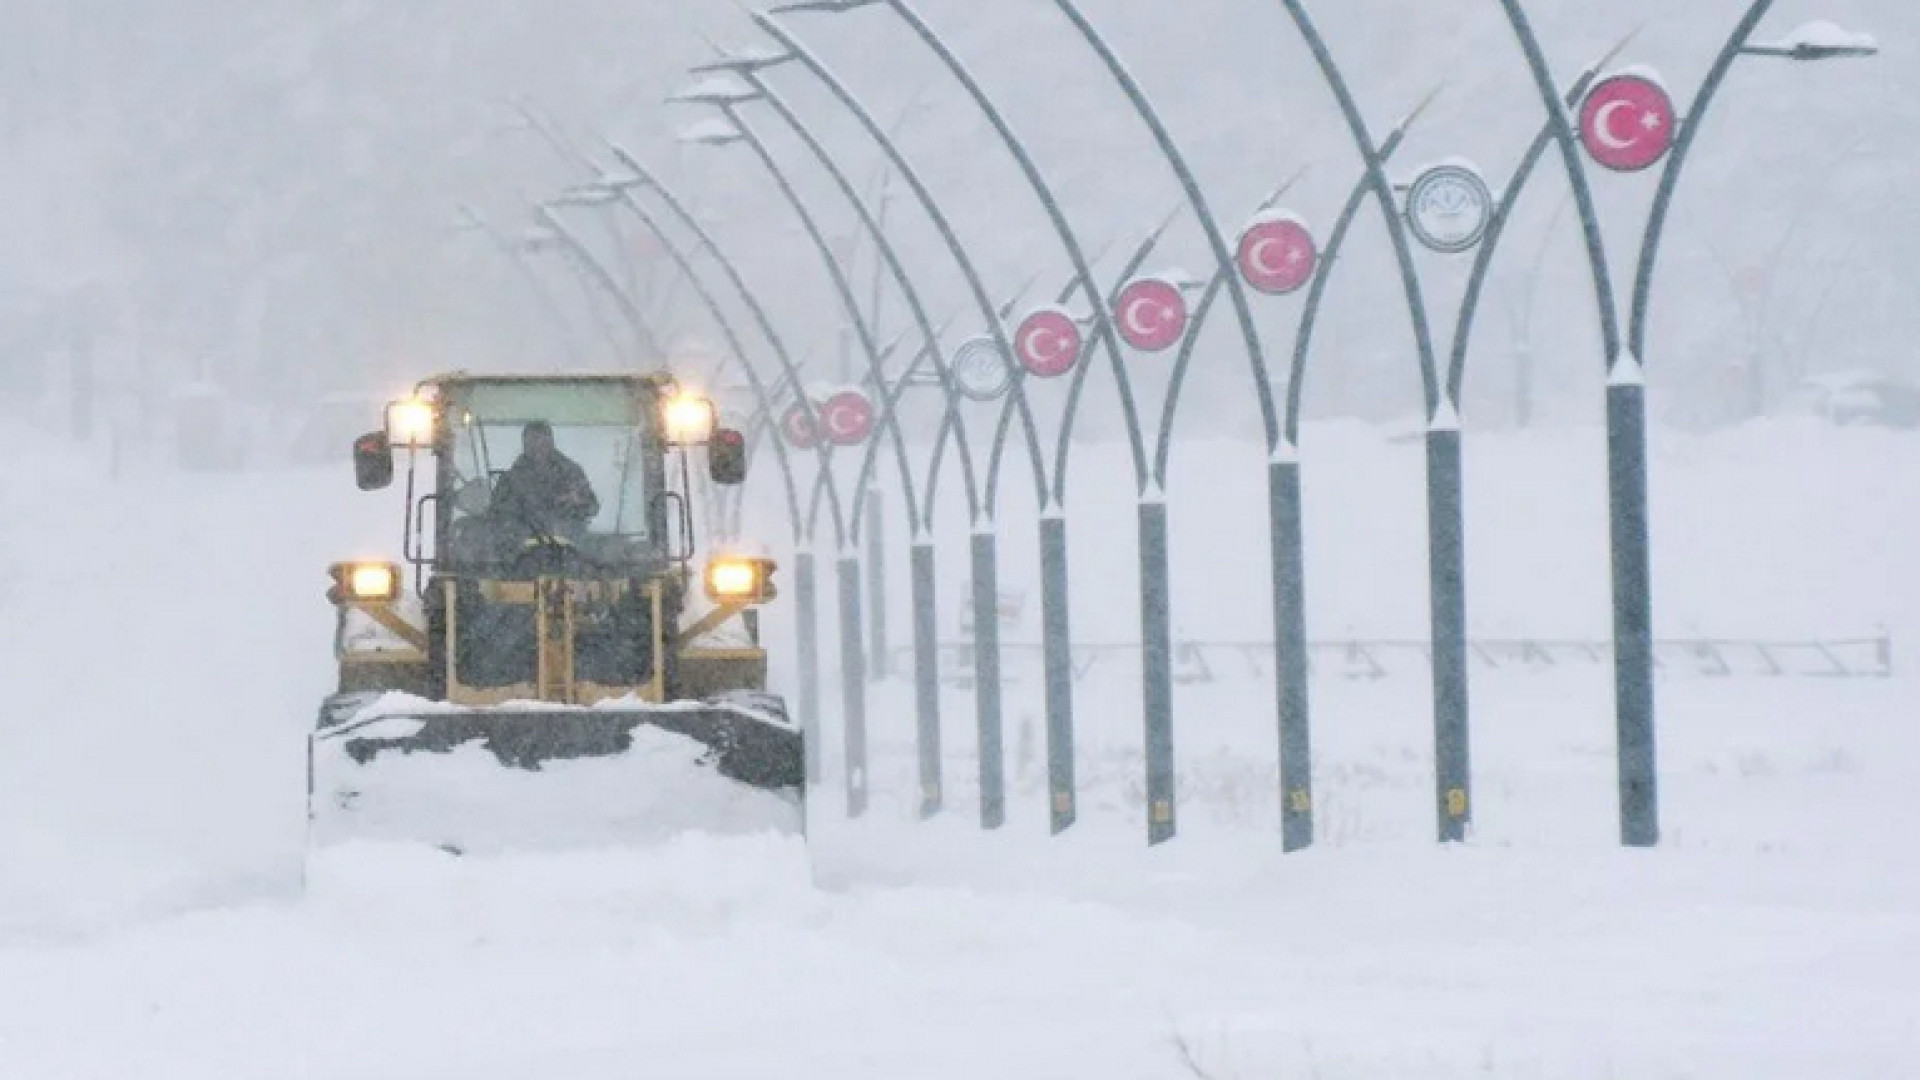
(467, 220)
(537, 238)
(1183, 279)
(1818, 40)
(710, 132)
(720, 89)
(587, 195)
(822, 5)
(742, 61)
(612, 185)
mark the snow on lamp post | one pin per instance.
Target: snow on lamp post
(1818, 40)
(712, 132)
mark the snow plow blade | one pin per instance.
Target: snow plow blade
(395, 767)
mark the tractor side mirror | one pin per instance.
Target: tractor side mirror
(727, 457)
(372, 461)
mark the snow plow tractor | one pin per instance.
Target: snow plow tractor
(546, 666)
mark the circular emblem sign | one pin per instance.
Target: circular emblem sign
(980, 372)
(1152, 314)
(1048, 343)
(1449, 209)
(847, 418)
(798, 427)
(1277, 256)
(1627, 123)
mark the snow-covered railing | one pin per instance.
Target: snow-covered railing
(1221, 661)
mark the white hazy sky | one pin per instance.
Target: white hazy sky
(267, 191)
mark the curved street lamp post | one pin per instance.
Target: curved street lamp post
(537, 238)
(1056, 633)
(1626, 387)
(1156, 623)
(1445, 516)
(1442, 387)
(1286, 513)
(925, 621)
(806, 602)
(1155, 602)
(516, 253)
(988, 700)
(1153, 523)
(1445, 479)
(648, 346)
(806, 593)
(852, 643)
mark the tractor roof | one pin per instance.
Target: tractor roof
(658, 379)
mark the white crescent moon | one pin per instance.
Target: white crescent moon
(843, 419)
(1603, 126)
(1131, 316)
(1258, 257)
(1030, 345)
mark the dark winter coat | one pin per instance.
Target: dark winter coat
(549, 494)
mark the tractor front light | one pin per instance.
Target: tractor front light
(368, 582)
(410, 424)
(739, 580)
(689, 419)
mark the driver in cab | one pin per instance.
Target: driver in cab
(545, 492)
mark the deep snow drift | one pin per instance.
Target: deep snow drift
(165, 645)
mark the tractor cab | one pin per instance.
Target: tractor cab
(549, 528)
(554, 606)
(585, 475)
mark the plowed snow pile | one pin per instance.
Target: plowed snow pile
(465, 800)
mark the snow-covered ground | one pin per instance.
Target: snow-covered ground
(164, 642)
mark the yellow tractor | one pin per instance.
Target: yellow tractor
(547, 616)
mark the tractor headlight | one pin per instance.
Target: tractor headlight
(368, 582)
(410, 424)
(689, 419)
(739, 580)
